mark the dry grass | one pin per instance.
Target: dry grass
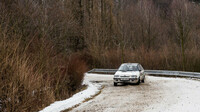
(164, 58)
(21, 85)
(31, 81)
(35, 69)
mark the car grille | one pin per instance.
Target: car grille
(125, 76)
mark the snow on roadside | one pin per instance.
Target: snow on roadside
(76, 99)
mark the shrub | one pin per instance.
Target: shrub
(36, 77)
(76, 69)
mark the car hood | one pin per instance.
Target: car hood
(127, 73)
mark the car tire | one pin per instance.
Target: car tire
(142, 81)
(138, 83)
(115, 84)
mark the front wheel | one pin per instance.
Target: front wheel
(143, 79)
(138, 81)
(115, 84)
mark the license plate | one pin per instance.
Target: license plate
(124, 79)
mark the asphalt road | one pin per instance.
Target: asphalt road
(157, 94)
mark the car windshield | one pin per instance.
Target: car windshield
(128, 68)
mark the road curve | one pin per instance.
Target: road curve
(157, 94)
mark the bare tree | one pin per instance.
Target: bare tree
(148, 23)
(183, 22)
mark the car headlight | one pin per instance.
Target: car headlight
(116, 76)
(134, 76)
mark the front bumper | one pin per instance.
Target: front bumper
(125, 80)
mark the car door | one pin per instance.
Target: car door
(141, 71)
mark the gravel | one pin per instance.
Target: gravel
(157, 94)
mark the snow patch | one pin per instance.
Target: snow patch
(75, 99)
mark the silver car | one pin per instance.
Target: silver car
(129, 73)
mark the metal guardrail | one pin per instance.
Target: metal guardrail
(153, 72)
(174, 73)
(103, 71)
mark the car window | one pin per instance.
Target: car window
(128, 68)
(133, 68)
(123, 68)
(141, 67)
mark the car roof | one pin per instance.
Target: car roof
(132, 64)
